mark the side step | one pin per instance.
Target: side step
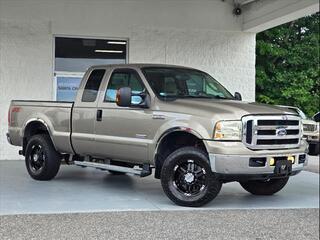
(142, 172)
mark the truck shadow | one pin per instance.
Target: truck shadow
(98, 179)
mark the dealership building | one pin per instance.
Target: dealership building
(46, 46)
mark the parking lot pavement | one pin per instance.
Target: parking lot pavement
(209, 224)
(313, 164)
(77, 189)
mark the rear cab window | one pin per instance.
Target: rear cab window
(92, 86)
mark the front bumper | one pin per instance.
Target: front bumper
(231, 164)
(8, 138)
(233, 158)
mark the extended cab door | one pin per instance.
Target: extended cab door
(84, 112)
(122, 132)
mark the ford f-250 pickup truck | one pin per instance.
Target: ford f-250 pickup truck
(179, 122)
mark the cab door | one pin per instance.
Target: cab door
(122, 132)
(84, 112)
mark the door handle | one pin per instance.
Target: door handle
(99, 115)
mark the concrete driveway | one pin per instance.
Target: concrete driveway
(313, 164)
(77, 189)
(96, 205)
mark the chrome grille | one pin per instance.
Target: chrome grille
(271, 132)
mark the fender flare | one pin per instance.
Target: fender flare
(158, 160)
(176, 129)
(33, 120)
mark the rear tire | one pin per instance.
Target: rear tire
(41, 158)
(270, 187)
(187, 179)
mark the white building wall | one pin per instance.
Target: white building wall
(202, 34)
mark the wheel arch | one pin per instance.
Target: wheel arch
(32, 127)
(171, 140)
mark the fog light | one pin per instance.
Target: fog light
(291, 159)
(271, 161)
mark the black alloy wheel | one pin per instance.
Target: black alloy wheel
(42, 160)
(36, 158)
(187, 179)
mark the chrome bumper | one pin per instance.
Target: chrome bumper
(239, 164)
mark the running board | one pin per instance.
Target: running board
(142, 172)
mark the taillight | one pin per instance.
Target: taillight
(10, 112)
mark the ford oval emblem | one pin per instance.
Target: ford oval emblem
(281, 132)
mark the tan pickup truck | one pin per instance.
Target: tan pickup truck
(179, 122)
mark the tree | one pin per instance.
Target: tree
(287, 65)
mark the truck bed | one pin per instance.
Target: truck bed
(56, 116)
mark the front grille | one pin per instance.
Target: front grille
(278, 122)
(309, 127)
(249, 131)
(271, 132)
(277, 141)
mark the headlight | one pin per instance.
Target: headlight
(228, 130)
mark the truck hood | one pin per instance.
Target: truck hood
(308, 121)
(230, 109)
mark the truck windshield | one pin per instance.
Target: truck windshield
(172, 83)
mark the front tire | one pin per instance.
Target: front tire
(187, 179)
(314, 149)
(41, 158)
(270, 187)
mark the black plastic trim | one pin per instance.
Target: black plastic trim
(247, 177)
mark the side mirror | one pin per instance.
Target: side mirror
(237, 96)
(123, 98)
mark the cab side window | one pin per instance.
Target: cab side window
(124, 78)
(91, 89)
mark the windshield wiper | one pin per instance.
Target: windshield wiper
(202, 96)
(219, 97)
(174, 97)
(193, 96)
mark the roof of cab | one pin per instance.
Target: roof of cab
(139, 65)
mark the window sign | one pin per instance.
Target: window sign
(67, 87)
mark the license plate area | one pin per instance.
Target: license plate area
(283, 167)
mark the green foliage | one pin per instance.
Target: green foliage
(287, 65)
